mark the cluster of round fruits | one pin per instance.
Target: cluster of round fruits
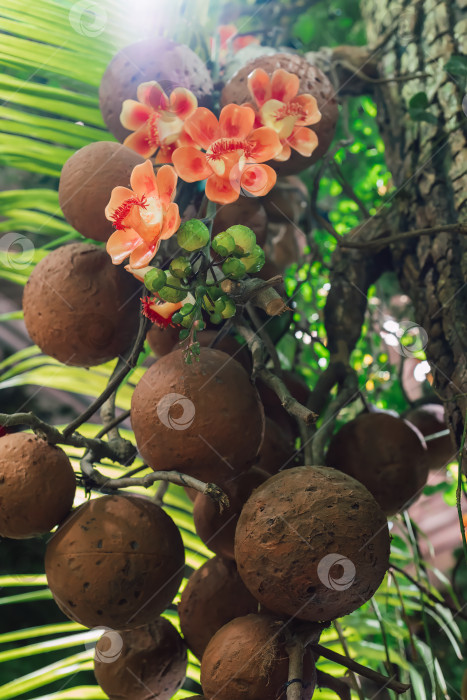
(117, 561)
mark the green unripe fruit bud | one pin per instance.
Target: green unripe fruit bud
(215, 292)
(229, 309)
(208, 304)
(183, 335)
(193, 235)
(187, 321)
(223, 244)
(245, 239)
(216, 318)
(201, 325)
(219, 304)
(155, 279)
(170, 294)
(200, 291)
(180, 267)
(234, 269)
(186, 309)
(177, 318)
(255, 260)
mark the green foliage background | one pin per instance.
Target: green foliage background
(49, 81)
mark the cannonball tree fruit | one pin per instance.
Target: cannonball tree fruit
(79, 308)
(86, 183)
(204, 419)
(217, 530)
(430, 419)
(37, 486)
(170, 64)
(247, 660)
(277, 451)
(140, 663)
(116, 561)
(312, 82)
(312, 542)
(162, 340)
(214, 595)
(386, 454)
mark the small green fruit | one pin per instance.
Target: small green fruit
(177, 318)
(187, 309)
(255, 260)
(230, 309)
(187, 321)
(223, 244)
(244, 238)
(180, 267)
(170, 294)
(183, 335)
(193, 235)
(234, 269)
(219, 304)
(216, 318)
(155, 279)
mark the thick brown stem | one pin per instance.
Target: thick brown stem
(295, 649)
(339, 686)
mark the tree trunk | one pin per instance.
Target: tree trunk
(428, 163)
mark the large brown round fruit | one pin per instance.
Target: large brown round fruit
(312, 542)
(247, 660)
(116, 561)
(430, 419)
(312, 81)
(214, 595)
(278, 449)
(192, 417)
(140, 663)
(247, 211)
(37, 486)
(87, 181)
(162, 340)
(163, 60)
(217, 530)
(79, 308)
(384, 453)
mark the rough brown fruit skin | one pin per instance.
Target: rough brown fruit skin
(246, 660)
(163, 60)
(295, 519)
(312, 81)
(37, 486)
(385, 454)
(429, 419)
(247, 211)
(214, 595)
(116, 561)
(79, 308)
(227, 425)
(87, 181)
(162, 340)
(217, 530)
(277, 451)
(152, 662)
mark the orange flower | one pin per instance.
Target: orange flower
(160, 312)
(232, 151)
(280, 108)
(143, 216)
(229, 39)
(157, 120)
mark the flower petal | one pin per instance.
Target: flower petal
(259, 86)
(152, 95)
(164, 154)
(284, 85)
(310, 107)
(117, 197)
(133, 114)
(171, 221)
(284, 154)
(191, 164)
(182, 102)
(269, 114)
(121, 244)
(166, 183)
(143, 181)
(258, 179)
(303, 140)
(141, 141)
(236, 122)
(144, 253)
(221, 190)
(203, 127)
(265, 144)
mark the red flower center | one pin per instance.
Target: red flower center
(223, 147)
(153, 135)
(124, 209)
(290, 110)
